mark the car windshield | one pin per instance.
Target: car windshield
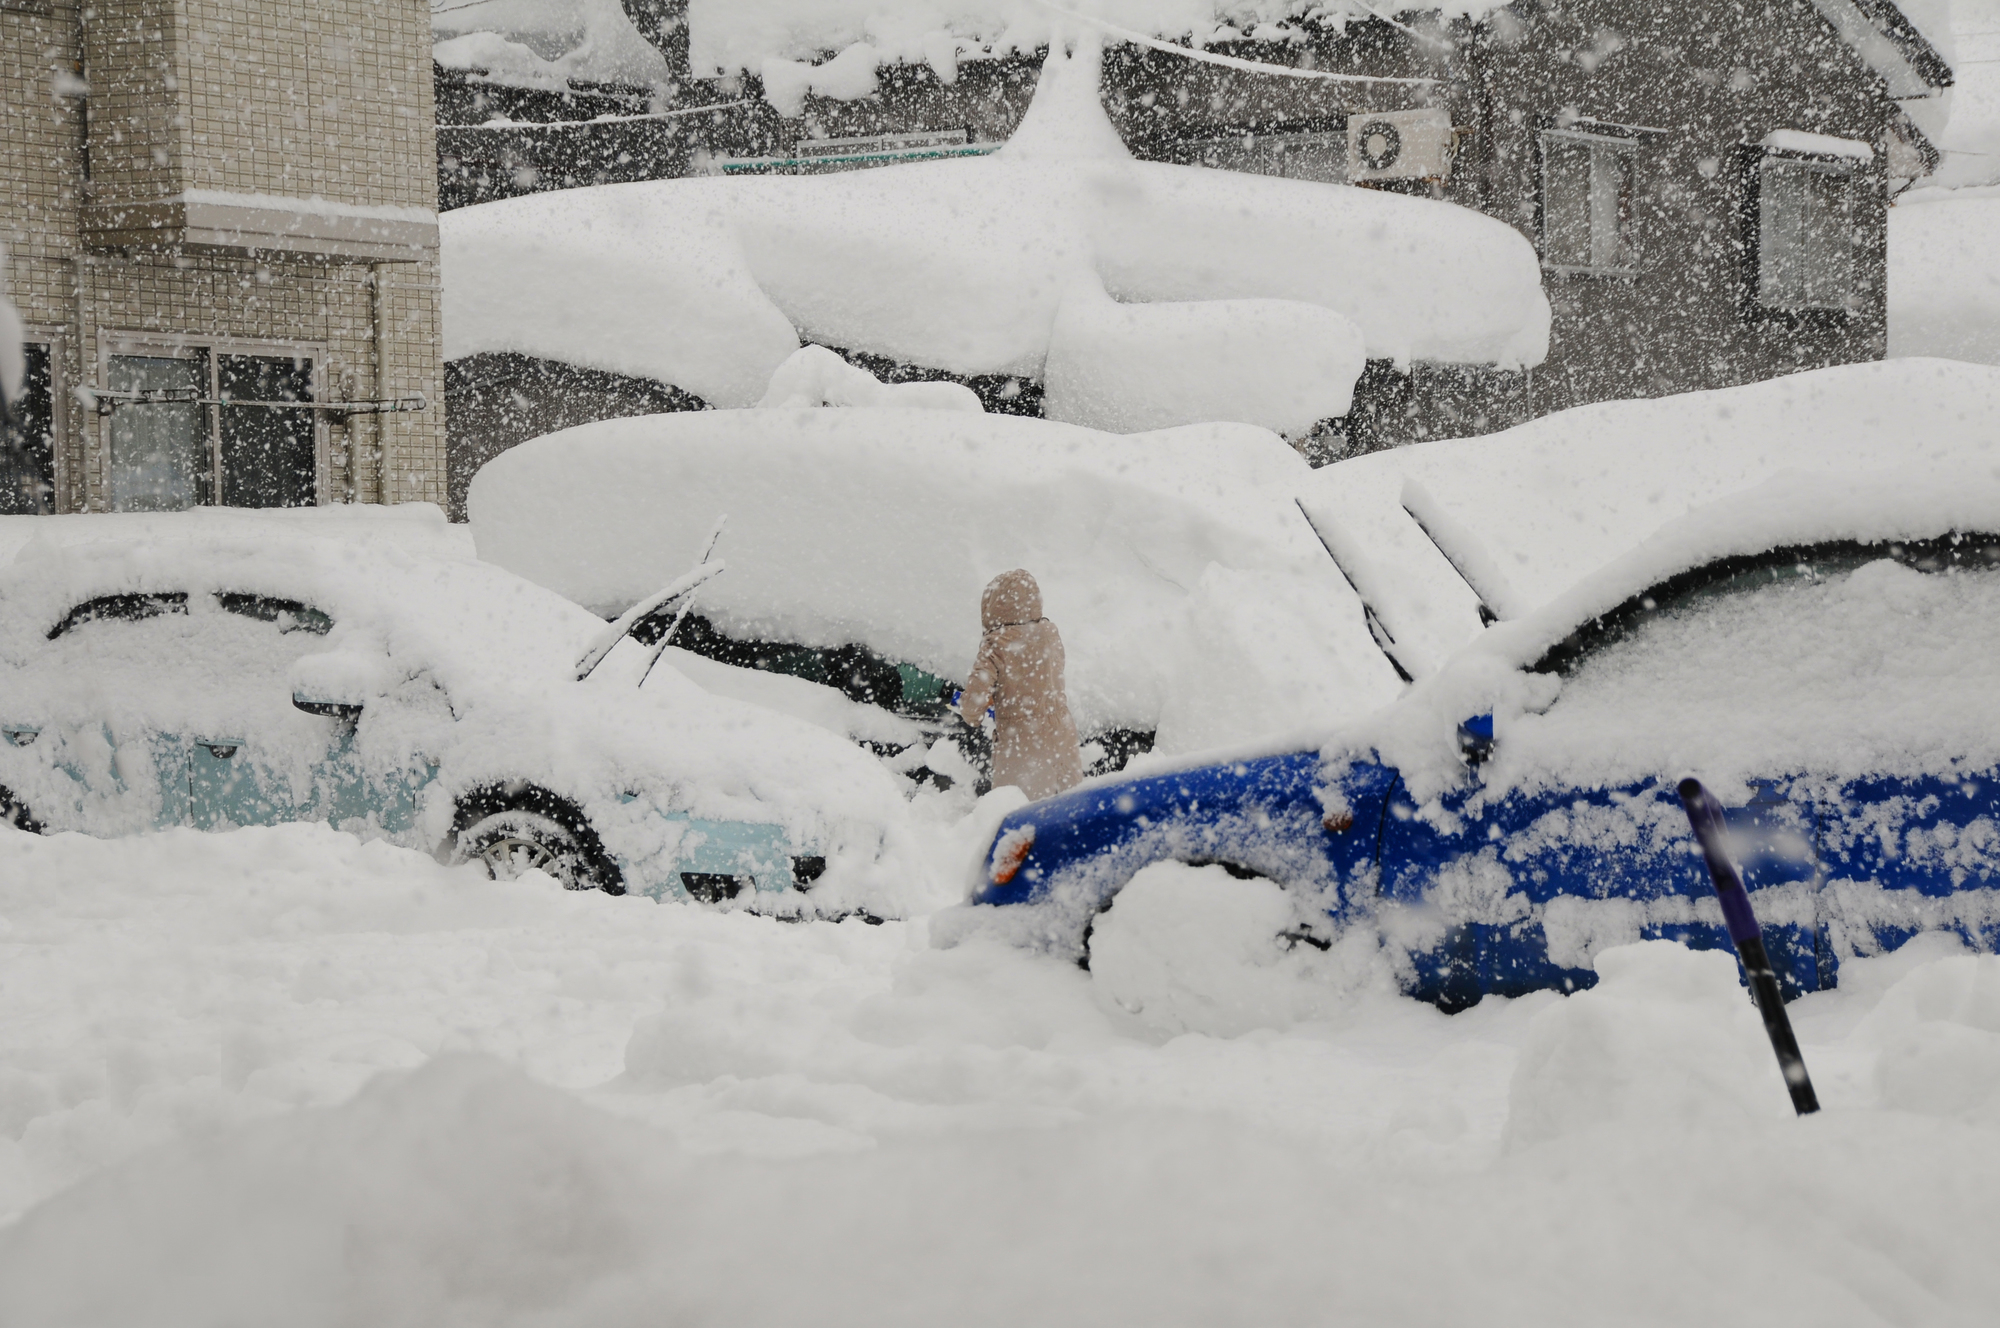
(1835, 665)
(1731, 577)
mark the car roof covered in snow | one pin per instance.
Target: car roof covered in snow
(1791, 510)
(1189, 591)
(1526, 513)
(467, 621)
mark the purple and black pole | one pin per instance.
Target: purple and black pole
(1704, 813)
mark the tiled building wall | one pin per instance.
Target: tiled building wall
(332, 98)
(244, 96)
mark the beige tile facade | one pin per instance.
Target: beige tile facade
(253, 174)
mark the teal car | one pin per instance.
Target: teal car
(215, 682)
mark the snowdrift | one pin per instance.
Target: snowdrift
(1944, 274)
(1005, 265)
(1190, 593)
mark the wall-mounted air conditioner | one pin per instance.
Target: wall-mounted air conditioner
(1399, 145)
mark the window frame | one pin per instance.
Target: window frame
(1758, 162)
(45, 334)
(209, 483)
(1599, 140)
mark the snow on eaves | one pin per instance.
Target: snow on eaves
(546, 43)
(725, 36)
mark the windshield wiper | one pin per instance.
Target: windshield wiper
(658, 616)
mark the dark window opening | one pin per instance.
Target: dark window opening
(1589, 216)
(28, 463)
(1808, 235)
(120, 608)
(268, 457)
(289, 615)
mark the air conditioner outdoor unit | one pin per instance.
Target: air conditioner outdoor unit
(1399, 145)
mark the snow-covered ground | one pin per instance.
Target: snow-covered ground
(290, 1078)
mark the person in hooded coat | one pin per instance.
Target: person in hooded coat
(1019, 672)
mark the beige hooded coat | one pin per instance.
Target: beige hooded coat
(1019, 672)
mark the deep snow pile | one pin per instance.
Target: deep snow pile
(297, 1079)
(419, 528)
(545, 43)
(1190, 593)
(1944, 274)
(1146, 293)
(1528, 511)
(725, 36)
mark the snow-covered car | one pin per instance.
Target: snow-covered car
(214, 681)
(1824, 654)
(1194, 601)
(1439, 536)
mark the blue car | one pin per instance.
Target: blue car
(1828, 661)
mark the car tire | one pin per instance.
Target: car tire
(508, 844)
(14, 812)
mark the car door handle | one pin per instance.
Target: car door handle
(221, 751)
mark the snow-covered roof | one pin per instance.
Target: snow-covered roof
(1190, 593)
(1006, 264)
(1530, 511)
(545, 43)
(730, 35)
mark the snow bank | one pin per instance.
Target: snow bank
(972, 266)
(633, 280)
(246, 1056)
(416, 527)
(730, 35)
(1944, 274)
(1126, 368)
(1549, 501)
(815, 376)
(1665, 1040)
(546, 43)
(1159, 555)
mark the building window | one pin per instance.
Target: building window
(28, 462)
(1808, 236)
(201, 425)
(1589, 213)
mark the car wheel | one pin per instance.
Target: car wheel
(14, 812)
(510, 844)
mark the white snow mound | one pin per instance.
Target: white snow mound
(1189, 592)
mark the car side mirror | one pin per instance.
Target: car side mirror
(348, 712)
(338, 683)
(1475, 739)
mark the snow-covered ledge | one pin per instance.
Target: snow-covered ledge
(218, 222)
